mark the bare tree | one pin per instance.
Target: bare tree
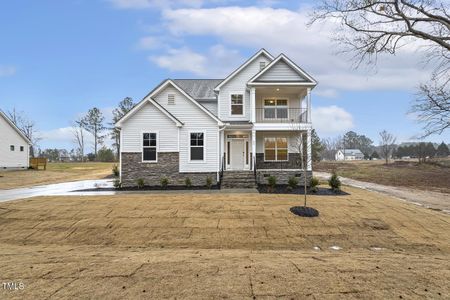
(387, 144)
(122, 109)
(27, 126)
(78, 134)
(369, 28)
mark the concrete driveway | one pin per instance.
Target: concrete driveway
(65, 188)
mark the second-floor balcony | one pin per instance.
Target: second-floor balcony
(281, 114)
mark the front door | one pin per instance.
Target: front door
(237, 154)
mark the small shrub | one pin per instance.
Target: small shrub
(115, 170)
(140, 183)
(313, 183)
(164, 182)
(209, 182)
(117, 184)
(293, 182)
(272, 182)
(188, 182)
(335, 182)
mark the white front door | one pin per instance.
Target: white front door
(237, 154)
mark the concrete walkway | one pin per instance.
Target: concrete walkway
(428, 199)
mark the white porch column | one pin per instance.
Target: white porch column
(253, 148)
(308, 151)
(308, 104)
(253, 104)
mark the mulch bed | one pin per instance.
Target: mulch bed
(304, 211)
(284, 189)
(153, 188)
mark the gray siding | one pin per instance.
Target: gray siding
(281, 71)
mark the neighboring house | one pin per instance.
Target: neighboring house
(14, 145)
(249, 122)
(349, 154)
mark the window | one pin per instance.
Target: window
(275, 109)
(237, 104)
(149, 153)
(275, 149)
(171, 99)
(197, 145)
(11, 147)
(21, 148)
(262, 65)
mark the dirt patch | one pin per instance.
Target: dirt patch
(362, 245)
(426, 176)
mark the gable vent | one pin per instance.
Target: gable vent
(262, 65)
(171, 99)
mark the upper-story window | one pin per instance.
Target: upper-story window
(21, 148)
(11, 147)
(262, 65)
(149, 145)
(275, 108)
(237, 104)
(171, 99)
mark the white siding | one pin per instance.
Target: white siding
(293, 98)
(149, 119)
(194, 119)
(9, 136)
(238, 84)
(281, 71)
(211, 106)
(293, 139)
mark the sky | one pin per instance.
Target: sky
(60, 58)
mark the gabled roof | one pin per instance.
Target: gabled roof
(257, 54)
(11, 123)
(308, 80)
(199, 89)
(155, 91)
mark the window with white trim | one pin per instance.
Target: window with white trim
(237, 104)
(11, 148)
(197, 146)
(171, 99)
(21, 148)
(149, 146)
(275, 108)
(276, 149)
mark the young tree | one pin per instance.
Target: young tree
(387, 144)
(93, 123)
(442, 150)
(78, 134)
(368, 28)
(124, 107)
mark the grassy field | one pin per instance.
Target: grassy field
(55, 173)
(426, 176)
(239, 246)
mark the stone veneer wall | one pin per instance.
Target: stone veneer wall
(292, 163)
(167, 166)
(283, 176)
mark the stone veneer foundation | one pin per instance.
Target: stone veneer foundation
(167, 166)
(282, 170)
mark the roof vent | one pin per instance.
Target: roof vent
(262, 65)
(171, 99)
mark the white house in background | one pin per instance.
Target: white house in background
(349, 154)
(14, 145)
(238, 130)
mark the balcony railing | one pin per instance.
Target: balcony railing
(281, 115)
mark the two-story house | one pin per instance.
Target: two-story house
(248, 126)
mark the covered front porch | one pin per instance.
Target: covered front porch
(244, 148)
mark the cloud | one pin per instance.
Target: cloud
(283, 30)
(6, 71)
(184, 59)
(331, 119)
(150, 43)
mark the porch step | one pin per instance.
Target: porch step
(238, 179)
